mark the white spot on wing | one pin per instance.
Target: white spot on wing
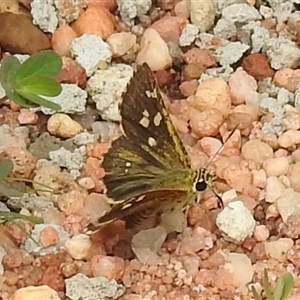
(145, 122)
(146, 113)
(157, 119)
(127, 205)
(151, 142)
(128, 164)
(140, 198)
(152, 94)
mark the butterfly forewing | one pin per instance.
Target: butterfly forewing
(151, 153)
(145, 120)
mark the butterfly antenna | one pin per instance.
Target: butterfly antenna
(222, 146)
(220, 201)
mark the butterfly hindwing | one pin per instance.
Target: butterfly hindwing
(142, 206)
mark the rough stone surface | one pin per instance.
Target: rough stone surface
(19, 35)
(81, 287)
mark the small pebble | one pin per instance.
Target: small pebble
(240, 265)
(289, 138)
(274, 189)
(243, 225)
(241, 86)
(27, 117)
(49, 236)
(257, 65)
(205, 123)
(202, 14)
(108, 267)
(78, 246)
(154, 51)
(200, 56)
(94, 170)
(278, 249)
(23, 161)
(288, 204)
(42, 292)
(276, 166)
(237, 176)
(63, 126)
(212, 93)
(257, 151)
(72, 72)
(261, 233)
(170, 28)
(182, 9)
(188, 88)
(71, 202)
(95, 20)
(87, 183)
(95, 205)
(294, 177)
(146, 244)
(287, 78)
(62, 39)
(121, 43)
(210, 145)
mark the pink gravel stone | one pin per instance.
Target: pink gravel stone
(27, 117)
(62, 39)
(212, 93)
(241, 85)
(287, 78)
(49, 236)
(75, 224)
(202, 56)
(170, 28)
(71, 202)
(53, 278)
(95, 20)
(109, 4)
(109, 267)
(23, 161)
(72, 72)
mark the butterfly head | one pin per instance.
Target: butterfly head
(203, 180)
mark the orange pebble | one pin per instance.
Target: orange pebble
(95, 20)
(62, 39)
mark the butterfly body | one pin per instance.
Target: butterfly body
(148, 170)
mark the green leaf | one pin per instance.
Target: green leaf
(283, 286)
(255, 294)
(9, 192)
(15, 97)
(39, 84)
(6, 167)
(267, 287)
(39, 100)
(9, 67)
(46, 63)
(11, 216)
(278, 289)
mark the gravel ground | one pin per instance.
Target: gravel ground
(228, 71)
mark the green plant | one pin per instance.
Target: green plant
(25, 83)
(9, 185)
(8, 189)
(282, 288)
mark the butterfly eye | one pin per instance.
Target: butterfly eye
(201, 186)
